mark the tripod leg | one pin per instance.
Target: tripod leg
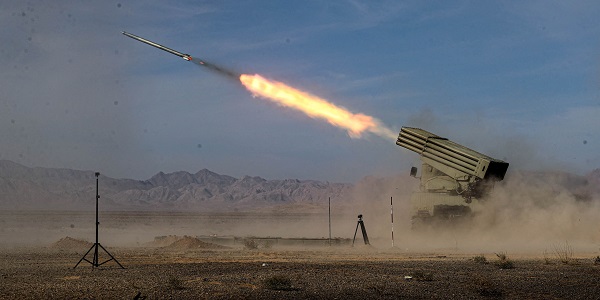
(364, 232)
(112, 257)
(355, 231)
(84, 256)
(95, 264)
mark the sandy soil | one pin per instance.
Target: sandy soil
(164, 259)
(193, 270)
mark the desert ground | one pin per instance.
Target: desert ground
(164, 259)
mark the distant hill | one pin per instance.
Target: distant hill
(63, 189)
(27, 188)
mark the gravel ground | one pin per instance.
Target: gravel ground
(324, 273)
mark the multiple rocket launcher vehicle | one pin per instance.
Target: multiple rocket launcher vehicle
(454, 179)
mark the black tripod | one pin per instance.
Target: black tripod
(363, 229)
(95, 246)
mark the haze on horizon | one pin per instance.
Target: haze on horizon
(516, 81)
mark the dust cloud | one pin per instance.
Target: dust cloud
(540, 211)
(529, 213)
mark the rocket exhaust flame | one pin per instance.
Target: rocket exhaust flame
(315, 107)
(355, 124)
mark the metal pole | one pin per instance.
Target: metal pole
(97, 197)
(392, 214)
(95, 259)
(329, 221)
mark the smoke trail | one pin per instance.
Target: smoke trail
(215, 68)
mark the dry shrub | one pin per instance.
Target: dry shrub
(503, 261)
(564, 253)
(547, 259)
(480, 259)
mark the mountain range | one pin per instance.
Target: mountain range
(22, 187)
(26, 188)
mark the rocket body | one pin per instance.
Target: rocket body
(213, 67)
(159, 46)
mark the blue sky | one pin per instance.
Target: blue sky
(519, 81)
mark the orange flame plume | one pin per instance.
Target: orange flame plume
(315, 107)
